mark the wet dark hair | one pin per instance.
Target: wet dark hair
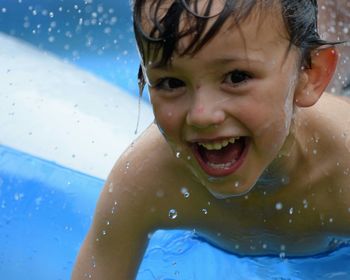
(299, 16)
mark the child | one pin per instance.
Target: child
(246, 149)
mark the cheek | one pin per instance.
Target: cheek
(168, 117)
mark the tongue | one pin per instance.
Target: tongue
(225, 155)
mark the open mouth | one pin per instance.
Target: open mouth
(221, 157)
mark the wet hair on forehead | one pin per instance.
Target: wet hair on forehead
(168, 21)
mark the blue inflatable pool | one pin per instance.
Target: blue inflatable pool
(46, 210)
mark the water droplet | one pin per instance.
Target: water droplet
(160, 193)
(114, 208)
(178, 154)
(279, 206)
(185, 192)
(331, 220)
(291, 210)
(104, 232)
(264, 246)
(110, 188)
(204, 211)
(172, 214)
(18, 196)
(305, 203)
(237, 184)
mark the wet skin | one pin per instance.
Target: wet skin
(249, 90)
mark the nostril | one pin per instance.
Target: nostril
(200, 109)
(203, 117)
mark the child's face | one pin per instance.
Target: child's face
(232, 88)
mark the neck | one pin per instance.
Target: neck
(287, 163)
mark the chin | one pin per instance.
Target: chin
(234, 192)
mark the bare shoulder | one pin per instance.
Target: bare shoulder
(329, 117)
(141, 176)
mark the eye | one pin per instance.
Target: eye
(170, 84)
(237, 77)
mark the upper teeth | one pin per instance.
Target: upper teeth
(218, 145)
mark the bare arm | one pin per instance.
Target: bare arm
(115, 244)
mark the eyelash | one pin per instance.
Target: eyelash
(160, 84)
(244, 76)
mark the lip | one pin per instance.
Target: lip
(220, 172)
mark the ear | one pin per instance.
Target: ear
(313, 81)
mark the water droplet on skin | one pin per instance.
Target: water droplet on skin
(291, 210)
(189, 158)
(110, 188)
(279, 206)
(331, 220)
(237, 184)
(204, 211)
(185, 192)
(104, 232)
(305, 203)
(178, 154)
(172, 214)
(160, 193)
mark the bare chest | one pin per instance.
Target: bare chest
(275, 227)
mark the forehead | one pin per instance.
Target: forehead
(183, 27)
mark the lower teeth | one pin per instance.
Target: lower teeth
(221, 165)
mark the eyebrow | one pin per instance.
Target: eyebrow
(216, 61)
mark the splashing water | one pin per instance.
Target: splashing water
(172, 214)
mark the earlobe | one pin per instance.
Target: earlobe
(313, 82)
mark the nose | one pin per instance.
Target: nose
(206, 110)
